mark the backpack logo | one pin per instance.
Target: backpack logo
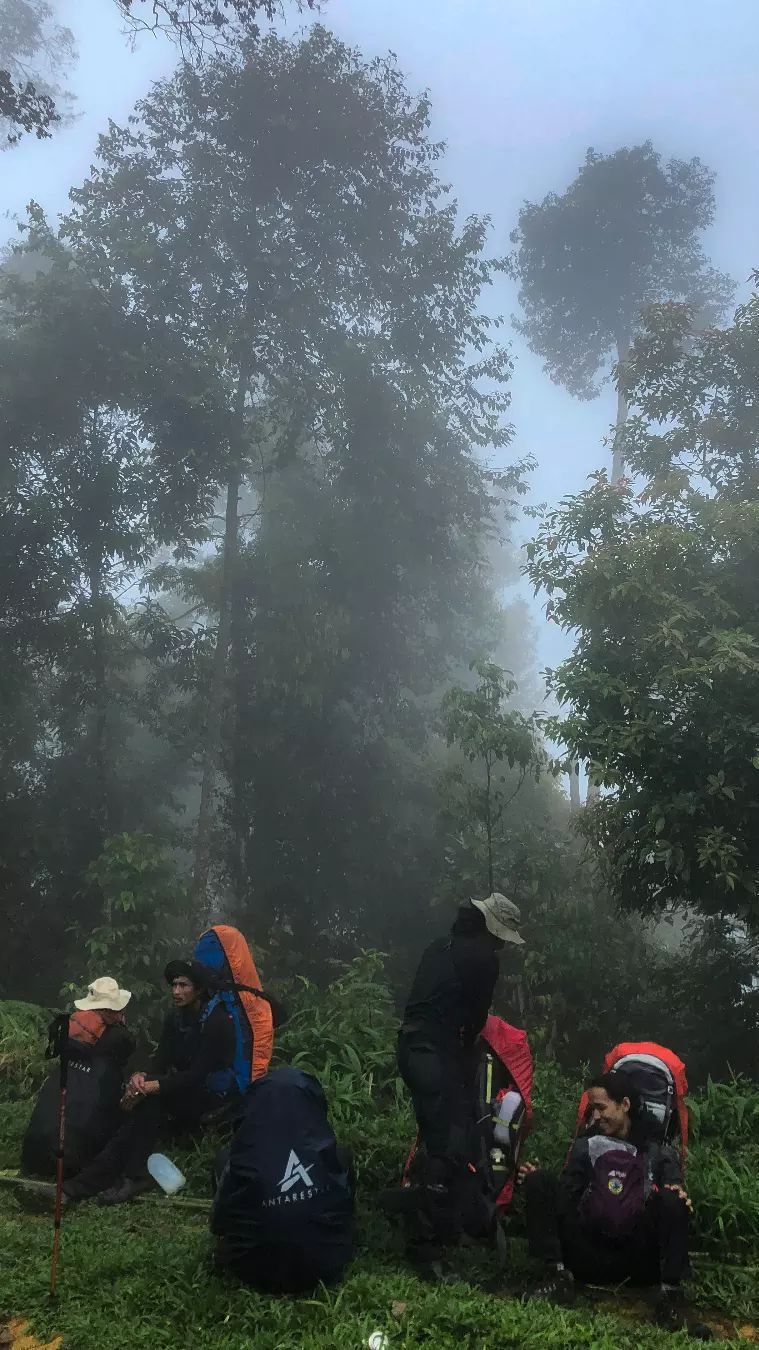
(294, 1172)
(616, 1185)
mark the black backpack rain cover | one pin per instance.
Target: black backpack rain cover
(92, 1113)
(285, 1186)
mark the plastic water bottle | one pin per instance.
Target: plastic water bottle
(163, 1171)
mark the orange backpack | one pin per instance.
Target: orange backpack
(659, 1076)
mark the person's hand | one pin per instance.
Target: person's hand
(136, 1082)
(526, 1169)
(678, 1190)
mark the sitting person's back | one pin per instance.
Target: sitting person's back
(98, 1048)
(283, 1211)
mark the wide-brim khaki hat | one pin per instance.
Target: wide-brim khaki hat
(502, 917)
(104, 995)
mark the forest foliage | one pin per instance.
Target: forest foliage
(260, 516)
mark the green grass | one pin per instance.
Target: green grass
(139, 1276)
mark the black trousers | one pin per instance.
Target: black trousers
(127, 1151)
(656, 1250)
(442, 1092)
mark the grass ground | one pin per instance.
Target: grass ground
(138, 1278)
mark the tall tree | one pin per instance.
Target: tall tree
(625, 234)
(93, 482)
(280, 209)
(662, 589)
(364, 593)
(503, 746)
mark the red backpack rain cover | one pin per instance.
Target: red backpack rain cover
(676, 1068)
(511, 1047)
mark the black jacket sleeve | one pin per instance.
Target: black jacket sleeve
(477, 967)
(216, 1051)
(666, 1169)
(162, 1057)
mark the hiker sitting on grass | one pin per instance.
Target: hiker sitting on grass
(192, 1077)
(99, 1046)
(618, 1212)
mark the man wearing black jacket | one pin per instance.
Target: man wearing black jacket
(193, 1076)
(446, 1010)
(618, 1212)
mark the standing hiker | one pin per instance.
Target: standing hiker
(446, 1010)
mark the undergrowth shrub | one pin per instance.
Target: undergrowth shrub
(345, 1035)
(23, 1040)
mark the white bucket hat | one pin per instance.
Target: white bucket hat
(502, 917)
(104, 994)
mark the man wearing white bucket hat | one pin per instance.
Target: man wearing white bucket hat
(446, 1010)
(99, 1045)
(103, 995)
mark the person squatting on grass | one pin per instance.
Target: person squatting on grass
(618, 1212)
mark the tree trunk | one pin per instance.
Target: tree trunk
(237, 749)
(618, 462)
(574, 786)
(489, 827)
(219, 680)
(100, 671)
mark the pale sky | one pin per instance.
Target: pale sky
(520, 89)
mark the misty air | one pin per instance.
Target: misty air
(379, 679)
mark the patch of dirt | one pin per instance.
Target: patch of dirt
(15, 1335)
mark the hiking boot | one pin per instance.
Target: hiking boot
(669, 1309)
(558, 1287)
(125, 1190)
(41, 1200)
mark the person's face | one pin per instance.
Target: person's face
(612, 1118)
(183, 992)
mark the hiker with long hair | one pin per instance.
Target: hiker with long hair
(99, 1045)
(446, 1010)
(618, 1212)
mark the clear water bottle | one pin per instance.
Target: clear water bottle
(163, 1171)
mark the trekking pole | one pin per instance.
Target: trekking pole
(58, 1047)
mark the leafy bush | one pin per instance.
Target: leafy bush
(728, 1112)
(144, 910)
(23, 1039)
(345, 1035)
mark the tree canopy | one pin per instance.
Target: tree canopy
(626, 234)
(660, 587)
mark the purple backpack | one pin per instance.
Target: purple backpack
(614, 1200)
